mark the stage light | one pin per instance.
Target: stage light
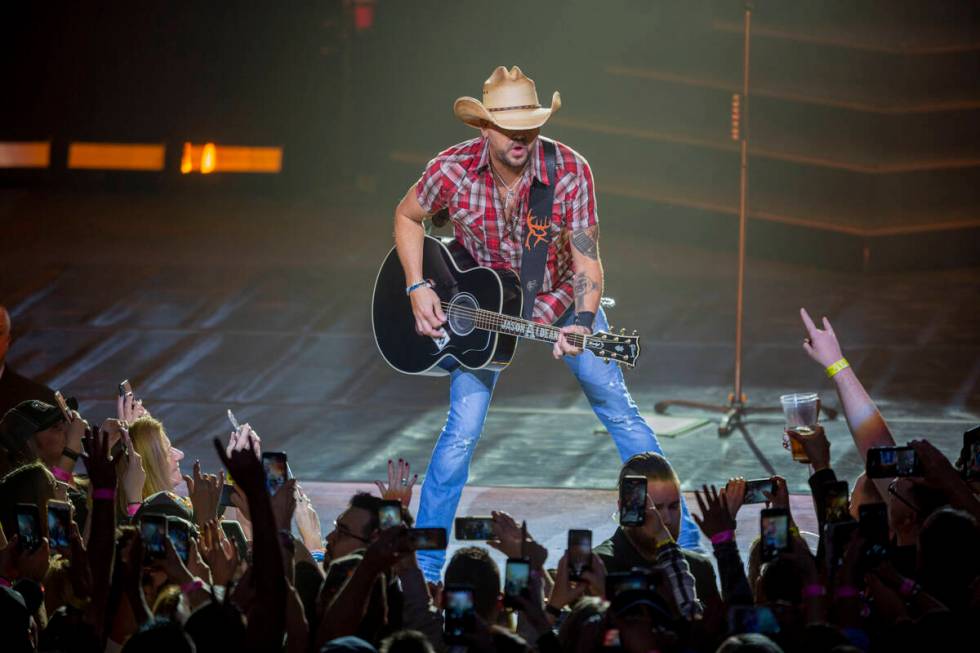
(116, 156)
(186, 162)
(25, 154)
(364, 14)
(209, 159)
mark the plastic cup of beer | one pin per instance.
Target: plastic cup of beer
(802, 410)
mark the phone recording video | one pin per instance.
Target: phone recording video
(473, 528)
(424, 539)
(227, 490)
(637, 578)
(28, 526)
(836, 503)
(460, 615)
(579, 553)
(233, 420)
(633, 500)
(389, 514)
(62, 405)
(891, 462)
(774, 529)
(59, 524)
(274, 463)
(153, 531)
(837, 537)
(180, 535)
(517, 575)
(755, 490)
(125, 388)
(234, 532)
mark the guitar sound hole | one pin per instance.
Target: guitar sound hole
(461, 314)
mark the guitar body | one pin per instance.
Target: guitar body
(459, 281)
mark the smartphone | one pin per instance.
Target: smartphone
(234, 532)
(233, 420)
(774, 528)
(274, 463)
(180, 535)
(755, 490)
(389, 514)
(637, 578)
(125, 388)
(62, 405)
(460, 615)
(836, 507)
(579, 553)
(227, 490)
(752, 619)
(425, 539)
(153, 530)
(633, 501)
(891, 462)
(873, 522)
(473, 528)
(28, 526)
(59, 524)
(836, 538)
(517, 576)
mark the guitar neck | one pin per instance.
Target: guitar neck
(516, 326)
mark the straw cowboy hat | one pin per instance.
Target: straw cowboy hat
(510, 101)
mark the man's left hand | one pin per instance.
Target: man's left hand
(563, 347)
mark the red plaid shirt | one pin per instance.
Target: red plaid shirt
(460, 179)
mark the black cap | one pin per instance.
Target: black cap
(166, 504)
(28, 417)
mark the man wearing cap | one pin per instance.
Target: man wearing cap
(484, 184)
(15, 388)
(34, 430)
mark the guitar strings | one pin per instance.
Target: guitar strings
(496, 319)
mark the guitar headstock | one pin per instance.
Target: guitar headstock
(616, 347)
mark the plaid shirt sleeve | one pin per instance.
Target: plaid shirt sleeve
(434, 187)
(580, 205)
(671, 562)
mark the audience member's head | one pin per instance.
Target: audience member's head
(779, 580)
(354, 528)
(749, 643)
(30, 430)
(160, 636)
(865, 492)
(161, 459)
(473, 566)
(406, 641)
(663, 486)
(31, 483)
(949, 543)
(583, 631)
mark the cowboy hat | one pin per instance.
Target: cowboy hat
(510, 101)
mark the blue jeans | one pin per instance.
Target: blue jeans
(469, 399)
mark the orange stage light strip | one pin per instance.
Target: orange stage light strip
(230, 158)
(26, 154)
(116, 156)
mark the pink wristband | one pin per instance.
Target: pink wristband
(192, 586)
(133, 508)
(722, 537)
(811, 591)
(846, 592)
(104, 493)
(61, 475)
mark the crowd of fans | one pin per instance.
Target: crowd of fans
(133, 565)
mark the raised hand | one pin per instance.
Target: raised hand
(205, 493)
(400, 483)
(820, 344)
(514, 542)
(780, 496)
(129, 408)
(284, 504)
(564, 592)
(219, 552)
(30, 564)
(134, 477)
(652, 533)
(816, 445)
(734, 493)
(307, 521)
(196, 564)
(244, 436)
(243, 464)
(716, 517)
(101, 470)
(938, 471)
(75, 431)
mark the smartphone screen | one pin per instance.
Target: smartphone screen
(517, 575)
(891, 462)
(274, 463)
(227, 490)
(233, 420)
(624, 581)
(153, 530)
(579, 553)
(752, 619)
(389, 514)
(460, 616)
(62, 405)
(774, 529)
(633, 501)
(234, 532)
(755, 490)
(179, 533)
(28, 526)
(425, 539)
(836, 503)
(473, 528)
(59, 524)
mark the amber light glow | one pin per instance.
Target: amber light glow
(210, 157)
(25, 154)
(116, 156)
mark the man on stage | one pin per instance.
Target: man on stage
(485, 185)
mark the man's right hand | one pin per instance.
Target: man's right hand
(820, 344)
(427, 308)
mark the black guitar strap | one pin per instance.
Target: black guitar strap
(537, 232)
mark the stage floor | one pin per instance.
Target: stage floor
(208, 302)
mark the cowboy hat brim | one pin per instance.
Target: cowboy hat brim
(473, 113)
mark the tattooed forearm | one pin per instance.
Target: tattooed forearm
(587, 241)
(584, 286)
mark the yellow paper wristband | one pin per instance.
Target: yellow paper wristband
(837, 367)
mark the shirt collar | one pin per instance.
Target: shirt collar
(537, 161)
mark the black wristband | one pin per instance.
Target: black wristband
(68, 453)
(585, 318)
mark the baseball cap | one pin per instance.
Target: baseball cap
(28, 417)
